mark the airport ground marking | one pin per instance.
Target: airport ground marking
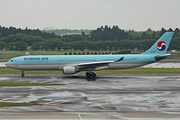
(79, 116)
(68, 82)
(33, 81)
(51, 102)
(3, 100)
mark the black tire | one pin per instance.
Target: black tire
(93, 74)
(88, 75)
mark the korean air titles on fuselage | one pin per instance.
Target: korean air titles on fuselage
(36, 59)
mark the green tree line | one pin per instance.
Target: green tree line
(101, 39)
(66, 31)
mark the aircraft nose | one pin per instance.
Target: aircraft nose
(7, 64)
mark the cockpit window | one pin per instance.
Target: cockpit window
(11, 60)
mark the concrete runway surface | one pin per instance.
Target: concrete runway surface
(127, 97)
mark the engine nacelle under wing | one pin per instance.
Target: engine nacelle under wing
(69, 70)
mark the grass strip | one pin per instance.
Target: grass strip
(25, 84)
(6, 70)
(9, 104)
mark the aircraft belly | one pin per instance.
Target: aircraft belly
(37, 67)
(126, 65)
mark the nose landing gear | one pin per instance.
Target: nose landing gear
(22, 73)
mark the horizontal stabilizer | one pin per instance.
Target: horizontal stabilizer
(158, 57)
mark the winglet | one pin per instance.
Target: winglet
(120, 59)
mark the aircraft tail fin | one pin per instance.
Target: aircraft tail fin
(161, 45)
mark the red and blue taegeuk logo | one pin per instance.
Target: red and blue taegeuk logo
(161, 45)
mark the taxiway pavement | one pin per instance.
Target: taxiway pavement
(106, 97)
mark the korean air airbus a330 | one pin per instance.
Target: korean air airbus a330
(71, 64)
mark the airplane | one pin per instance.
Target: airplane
(71, 64)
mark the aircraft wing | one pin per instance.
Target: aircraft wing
(96, 64)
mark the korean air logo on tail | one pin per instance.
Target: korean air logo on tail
(161, 45)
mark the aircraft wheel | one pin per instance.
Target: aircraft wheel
(93, 74)
(88, 75)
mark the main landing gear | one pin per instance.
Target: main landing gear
(22, 73)
(90, 74)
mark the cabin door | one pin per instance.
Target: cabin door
(100, 59)
(140, 59)
(52, 60)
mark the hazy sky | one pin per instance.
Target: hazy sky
(90, 14)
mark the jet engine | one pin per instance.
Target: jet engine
(70, 70)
